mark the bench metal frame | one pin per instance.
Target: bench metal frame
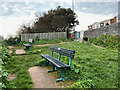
(27, 46)
(31, 41)
(61, 51)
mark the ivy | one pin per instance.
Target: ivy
(4, 74)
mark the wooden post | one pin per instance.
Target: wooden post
(88, 40)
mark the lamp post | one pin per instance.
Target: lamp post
(73, 14)
(73, 6)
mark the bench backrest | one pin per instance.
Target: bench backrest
(62, 51)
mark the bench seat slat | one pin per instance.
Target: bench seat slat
(27, 45)
(54, 61)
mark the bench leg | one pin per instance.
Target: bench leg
(28, 49)
(62, 76)
(52, 69)
(47, 62)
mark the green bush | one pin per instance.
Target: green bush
(37, 38)
(13, 40)
(110, 41)
(5, 58)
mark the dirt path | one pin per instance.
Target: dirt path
(20, 51)
(52, 44)
(97, 45)
(41, 78)
(11, 47)
(11, 77)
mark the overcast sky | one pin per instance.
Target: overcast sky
(14, 13)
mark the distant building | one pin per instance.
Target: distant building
(104, 23)
(90, 27)
(114, 20)
(96, 25)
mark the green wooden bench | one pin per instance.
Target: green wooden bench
(27, 46)
(31, 41)
(57, 64)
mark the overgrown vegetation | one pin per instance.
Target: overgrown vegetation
(13, 40)
(92, 67)
(4, 73)
(110, 41)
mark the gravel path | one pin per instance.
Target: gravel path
(10, 47)
(52, 44)
(41, 78)
(97, 45)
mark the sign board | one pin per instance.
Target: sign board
(73, 28)
(30, 40)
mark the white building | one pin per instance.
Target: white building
(96, 25)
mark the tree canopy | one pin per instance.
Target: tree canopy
(57, 20)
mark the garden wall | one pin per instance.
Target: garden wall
(108, 30)
(26, 37)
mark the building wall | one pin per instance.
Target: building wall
(108, 30)
(115, 19)
(96, 25)
(90, 27)
(106, 21)
(111, 21)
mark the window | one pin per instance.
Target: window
(102, 24)
(93, 26)
(97, 25)
(90, 27)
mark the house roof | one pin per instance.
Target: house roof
(105, 20)
(89, 25)
(95, 23)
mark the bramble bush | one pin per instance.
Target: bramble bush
(13, 40)
(110, 41)
(5, 57)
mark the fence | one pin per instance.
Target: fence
(26, 37)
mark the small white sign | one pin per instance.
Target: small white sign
(58, 48)
(30, 40)
(73, 28)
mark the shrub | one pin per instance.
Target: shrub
(110, 41)
(5, 57)
(13, 40)
(37, 38)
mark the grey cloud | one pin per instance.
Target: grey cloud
(22, 8)
(14, 9)
(103, 8)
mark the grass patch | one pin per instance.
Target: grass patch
(44, 41)
(92, 67)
